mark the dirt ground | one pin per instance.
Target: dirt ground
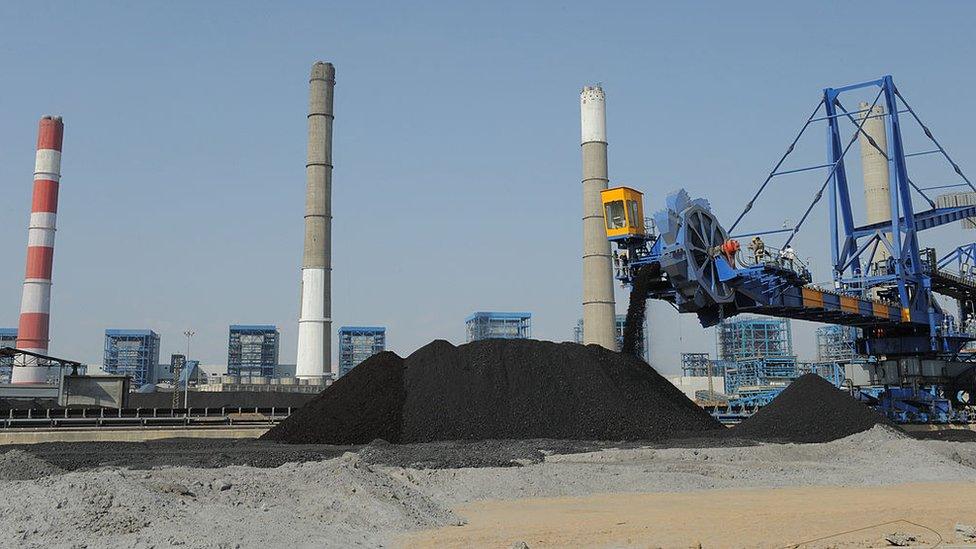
(548, 493)
(925, 514)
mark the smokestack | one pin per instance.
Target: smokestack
(314, 323)
(35, 305)
(875, 167)
(598, 304)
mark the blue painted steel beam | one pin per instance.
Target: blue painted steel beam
(923, 220)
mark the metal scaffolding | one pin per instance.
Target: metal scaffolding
(836, 343)
(134, 353)
(698, 365)
(252, 350)
(495, 325)
(750, 338)
(357, 343)
(759, 372)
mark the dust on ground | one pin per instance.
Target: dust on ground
(373, 495)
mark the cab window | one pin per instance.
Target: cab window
(615, 215)
(633, 214)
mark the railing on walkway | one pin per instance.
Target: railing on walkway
(141, 417)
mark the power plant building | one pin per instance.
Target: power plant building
(498, 325)
(134, 353)
(8, 338)
(836, 343)
(357, 343)
(620, 321)
(748, 338)
(756, 354)
(252, 350)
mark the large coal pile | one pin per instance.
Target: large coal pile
(496, 389)
(361, 406)
(810, 410)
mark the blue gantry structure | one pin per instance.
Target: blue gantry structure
(918, 369)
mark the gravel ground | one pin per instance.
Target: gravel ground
(160, 495)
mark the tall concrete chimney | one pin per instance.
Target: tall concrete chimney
(875, 168)
(598, 303)
(314, 323)
(35, 304)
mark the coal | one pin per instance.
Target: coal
(636, 310)
(497, 390)
(361, 406)
(811, 409)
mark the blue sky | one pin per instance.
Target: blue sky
(456, 185)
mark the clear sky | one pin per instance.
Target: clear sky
(456, 182)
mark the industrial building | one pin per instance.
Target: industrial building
(747, 338)
(134, 353)
(756, 355)
(699, 365)
(252, 350)
(357, 343)
(498, 325)
(836, 343)
(620, 321)
(8, 338)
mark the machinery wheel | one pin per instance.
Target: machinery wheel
(690, 260)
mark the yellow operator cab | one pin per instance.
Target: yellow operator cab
(623, 211)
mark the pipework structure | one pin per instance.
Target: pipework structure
(598, 300)
(35, 305)
(315, 322)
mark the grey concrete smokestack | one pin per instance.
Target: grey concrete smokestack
(315, 324)
(875, 168)
(598, 303)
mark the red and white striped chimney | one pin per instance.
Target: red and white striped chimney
(35, 306)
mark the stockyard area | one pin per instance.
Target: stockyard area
(535, 461)
(160, 385)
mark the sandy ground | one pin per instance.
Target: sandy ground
(923, 514)
(721, 493)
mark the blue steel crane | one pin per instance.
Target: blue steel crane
(918, 361)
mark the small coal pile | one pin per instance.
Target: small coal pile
(810, 410)
(361, 406)
(497, 389)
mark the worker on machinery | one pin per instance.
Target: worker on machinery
(788, 257)
(758, 249)
(620, 262)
